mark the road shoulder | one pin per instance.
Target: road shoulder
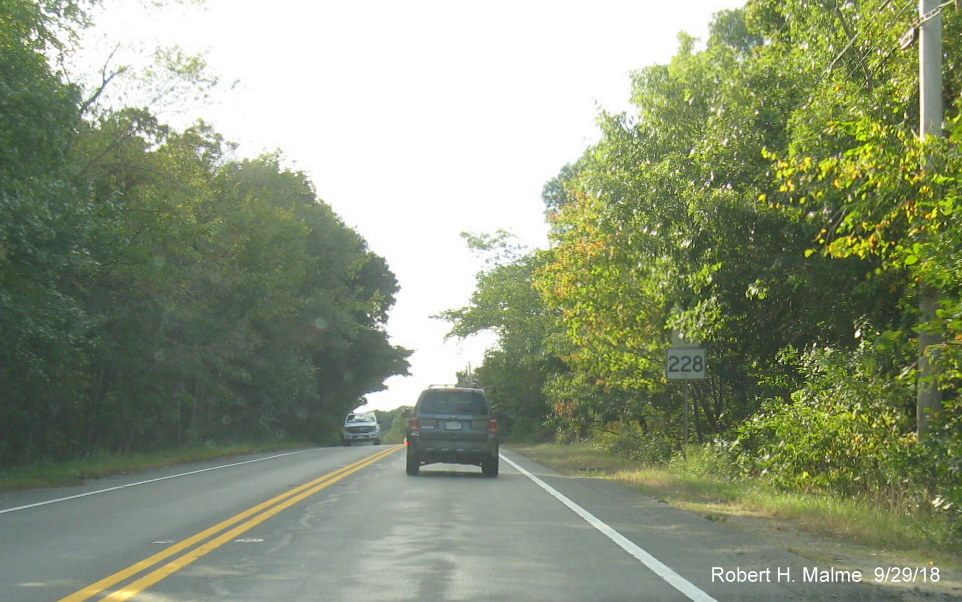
(820, 550)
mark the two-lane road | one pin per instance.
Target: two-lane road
(348, 524)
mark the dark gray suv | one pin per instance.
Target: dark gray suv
(453, 425)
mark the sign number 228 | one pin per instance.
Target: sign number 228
(686, 364)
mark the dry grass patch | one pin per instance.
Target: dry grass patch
(806, 523)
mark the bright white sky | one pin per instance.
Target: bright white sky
(415, 119)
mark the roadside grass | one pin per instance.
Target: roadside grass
(74, 472)
(396, 435)
(687, 484)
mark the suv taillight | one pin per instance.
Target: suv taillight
(492, 426)
(414, 425)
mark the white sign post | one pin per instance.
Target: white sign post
(685, 363)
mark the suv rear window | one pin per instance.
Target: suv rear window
(441, 401)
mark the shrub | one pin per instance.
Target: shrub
(942, 461)
(628, 440)
(848, 430)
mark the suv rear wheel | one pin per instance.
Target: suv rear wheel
(413, 463)
(490, 467)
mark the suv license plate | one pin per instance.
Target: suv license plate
(452, 425)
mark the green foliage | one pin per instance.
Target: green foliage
(849, 430)
(505, 302)
(153, 292)
(940, 462)
(631, 441)
(394, 424)
(701, 215)
(658, 228)
(45, 231)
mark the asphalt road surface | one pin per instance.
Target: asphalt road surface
(346, 523)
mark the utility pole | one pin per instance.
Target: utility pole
(929, 399)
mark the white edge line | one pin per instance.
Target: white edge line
(655, 565)
(174, 476)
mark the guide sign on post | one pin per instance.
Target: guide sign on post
(685, 363)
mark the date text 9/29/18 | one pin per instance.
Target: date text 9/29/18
(926, 574)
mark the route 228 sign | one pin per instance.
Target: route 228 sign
(685, 363)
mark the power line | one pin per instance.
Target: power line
(854, 37)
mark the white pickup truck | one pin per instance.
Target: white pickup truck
(361, 426)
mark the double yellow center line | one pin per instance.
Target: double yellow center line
(214, 537)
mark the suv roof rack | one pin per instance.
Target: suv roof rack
(454, 387)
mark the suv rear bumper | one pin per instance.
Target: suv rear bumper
(430, 452)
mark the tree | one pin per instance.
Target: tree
(660, 229)
(867, 182)
(153, 292)
(47, 224)
(506, 303)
